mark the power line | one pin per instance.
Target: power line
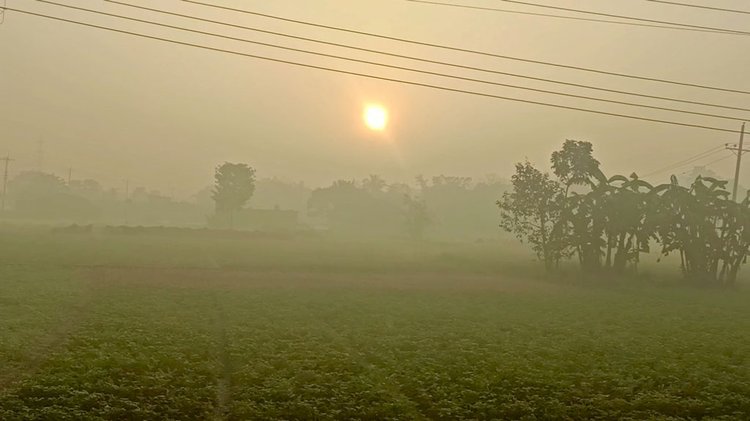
(375, 77)
(545, 91)
(687, 161)
(424, 60)
(718, 160)
(724, 158)
(611, 15)
(466, 50)
(547, 15)
(698, 6)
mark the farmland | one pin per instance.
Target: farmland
(103, 326)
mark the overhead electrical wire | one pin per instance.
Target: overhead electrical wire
(718, 160)
(611, 15)
(700, 6)
(420, 59)
(708, 164)
(687, 161)
(371, 76)
(547, 15)
(467, 50)
(468, 79)
(676, 167)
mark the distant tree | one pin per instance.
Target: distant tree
(371, 207)
(203, 199)
(532, 212)
(88, 188)
(374, 184)
(417, 216)
(460, 206)
(40, 195)
(339, 204)
(234, 185)
(273, 192)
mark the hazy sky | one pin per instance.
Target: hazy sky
(115, 107)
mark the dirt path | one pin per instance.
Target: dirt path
(224, 381)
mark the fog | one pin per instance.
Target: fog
(114, 107)
(357, 210)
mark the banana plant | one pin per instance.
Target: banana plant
(609, 222)
(626, 209)
(708, 230)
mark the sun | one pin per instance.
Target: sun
(375, 117)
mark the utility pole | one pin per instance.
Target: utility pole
(739, 150)
(70, 175)
(7, 160)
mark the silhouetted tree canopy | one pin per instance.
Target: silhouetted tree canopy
(574, 164)
(39, 195)
(609, 222)
(234, 185)
(531, 211)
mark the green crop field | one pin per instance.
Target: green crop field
(103, 326)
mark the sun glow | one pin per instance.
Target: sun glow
(375, 117)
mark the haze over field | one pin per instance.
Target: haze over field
(374, 210)
(114, 107)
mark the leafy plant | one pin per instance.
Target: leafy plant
(234, 185)
(532, 211)
(608, 223)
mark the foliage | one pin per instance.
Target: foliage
(574, 165)
(38, 195)
(627, 234)
(234, 185)
(459, 206)
(157, 343)
(272, 193)
(46, 197)
(710, 232)
(608, 223)
(532, 211)
(582, 220)
(371, 206)
(417, 216)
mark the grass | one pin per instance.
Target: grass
(114, 327)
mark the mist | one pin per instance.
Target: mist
(374, 210)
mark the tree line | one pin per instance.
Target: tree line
(440, 206)
(606, 223)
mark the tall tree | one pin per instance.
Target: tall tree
(574, 165)
(417, 216)
(532, 212)
(234, 185)
(582, 216)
